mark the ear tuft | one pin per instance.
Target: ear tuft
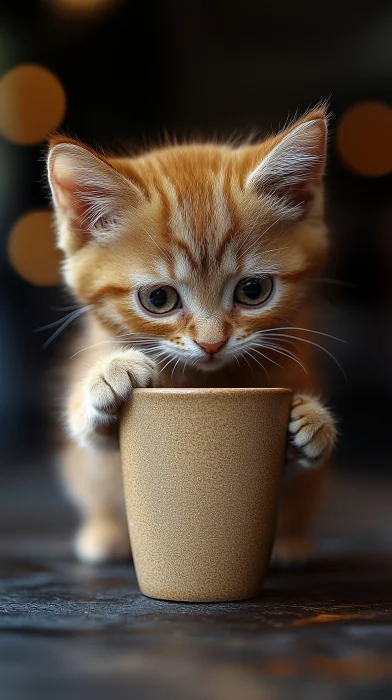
(89, 194)
(291, 173)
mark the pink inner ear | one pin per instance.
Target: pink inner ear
(77, 202)
(293, 169)
(70, 201)
(297, 194)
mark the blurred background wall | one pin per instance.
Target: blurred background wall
(117, 72)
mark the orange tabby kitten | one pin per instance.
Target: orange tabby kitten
(193, 264)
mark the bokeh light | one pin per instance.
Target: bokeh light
(32, 104)
(32, 251)
(364, 138)
(82, 7)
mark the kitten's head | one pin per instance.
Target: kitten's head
(196, 248)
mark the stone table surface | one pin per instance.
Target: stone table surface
(68, 630)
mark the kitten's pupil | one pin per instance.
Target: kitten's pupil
(251, 288)
(253, 291)
(158, 297)
(160, 300)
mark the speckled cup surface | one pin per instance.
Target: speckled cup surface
(202, 472)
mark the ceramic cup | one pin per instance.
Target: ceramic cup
(202, 472)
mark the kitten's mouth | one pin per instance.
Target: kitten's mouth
(211, 361)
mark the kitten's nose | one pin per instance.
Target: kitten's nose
(211, 348)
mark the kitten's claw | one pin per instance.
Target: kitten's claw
(312, 431)
(105, 390)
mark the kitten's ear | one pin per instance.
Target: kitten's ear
(90, 196)
(291, 173)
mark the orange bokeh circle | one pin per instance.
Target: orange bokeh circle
(32, 250)
(364, 138)
(32, 104)
(80, 7)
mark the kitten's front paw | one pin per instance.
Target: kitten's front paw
(312, 431)
(106, 389)
(110, 383)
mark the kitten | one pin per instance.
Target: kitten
(193, 264)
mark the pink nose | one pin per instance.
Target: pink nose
(211, 348)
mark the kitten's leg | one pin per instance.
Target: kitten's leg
(93, 481)
(301, 497)
(313, 435)
(93, 477)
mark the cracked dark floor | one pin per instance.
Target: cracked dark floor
(68, 630)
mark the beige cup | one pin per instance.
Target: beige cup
(202, 472)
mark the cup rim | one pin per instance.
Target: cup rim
(212, 390)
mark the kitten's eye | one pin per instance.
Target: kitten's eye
(253, 291)
(160, 300)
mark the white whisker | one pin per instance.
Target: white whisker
(258, 362)
(122, 341)
(285, 352)
(155, 350)
(171, 359)
(65, 308)
(55, 323)
(266, 356)
(94, 345)
(172, 372)
(163, 354)
(252, 228)
(249, 365)
(310, 342)
(184, 365)
(160, 357)
(297, 328)
(236, 358)
(290, 342)
(261, 235)
(195, 362)
(66, 323)
(256, 243)
(157, 245)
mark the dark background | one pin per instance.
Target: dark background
(209, 67)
